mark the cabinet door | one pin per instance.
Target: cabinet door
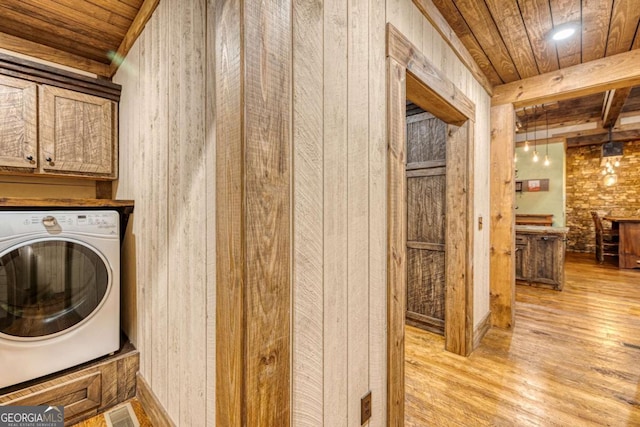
(546, 259)
(77, 133)
(18, 123)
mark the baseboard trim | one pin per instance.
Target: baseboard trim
(481, 330)
(151, 404)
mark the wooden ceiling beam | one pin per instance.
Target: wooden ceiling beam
(40, 51)
(598, 139)
(433, 15)
(141, 19)
(613, 72)
(613, 106)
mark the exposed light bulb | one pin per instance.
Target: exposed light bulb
(535, 156)
(604, 171)
(608, 165)
(526, 145)
(546, 160)
(563, 34)
(617, 163)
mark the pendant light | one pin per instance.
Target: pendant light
(535, 138)
(526, 130)
(546, 133)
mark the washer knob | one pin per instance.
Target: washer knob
(49, 221)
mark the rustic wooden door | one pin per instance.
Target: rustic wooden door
(426, 221)
(18, 123)
(77, 133)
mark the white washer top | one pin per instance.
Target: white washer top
(105, 224)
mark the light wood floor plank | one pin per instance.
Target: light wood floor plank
(572, 359)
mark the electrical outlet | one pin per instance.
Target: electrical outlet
(365, 408)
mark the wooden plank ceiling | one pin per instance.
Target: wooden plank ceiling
(86, 34)
(508, 39)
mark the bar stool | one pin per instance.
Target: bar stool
(606, 239)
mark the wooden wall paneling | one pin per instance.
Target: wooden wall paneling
(229, 218)
(308, 196)
(176, 294)
(396, 230)
(45, 187)
(267, 149)
(152, 405)
(358, 206)
(502, 269)
(377, 213)
(211, 182)
(428, 36)
(143, 182)
(190, 208)
(335, 213)
(134, 31)
(159, 233)
(459, 242)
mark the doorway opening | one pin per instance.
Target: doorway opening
(411, 77)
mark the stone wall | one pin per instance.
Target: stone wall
(586, 192)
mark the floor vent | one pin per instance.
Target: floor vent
(122, 416)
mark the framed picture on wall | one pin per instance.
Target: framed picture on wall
(533, 185)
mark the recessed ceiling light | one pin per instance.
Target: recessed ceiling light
(564, 31)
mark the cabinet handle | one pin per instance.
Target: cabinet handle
(48, 159)
(30, 158)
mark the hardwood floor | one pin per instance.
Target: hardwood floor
(573, 359)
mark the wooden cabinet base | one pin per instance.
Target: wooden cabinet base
(84, 391)
(539, 256)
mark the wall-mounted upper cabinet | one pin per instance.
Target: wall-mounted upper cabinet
(56, 123)
(77, 133)
(18, 124)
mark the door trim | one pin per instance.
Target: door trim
(410, 75)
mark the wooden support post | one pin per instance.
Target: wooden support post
(502, 265)
(253, 213)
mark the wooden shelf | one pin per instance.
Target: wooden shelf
(19, 203)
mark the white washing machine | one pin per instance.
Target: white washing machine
(59, 290)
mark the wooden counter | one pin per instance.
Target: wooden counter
(534, 219)
(540, 255)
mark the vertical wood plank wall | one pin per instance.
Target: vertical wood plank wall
(339, 203)
(165, 166)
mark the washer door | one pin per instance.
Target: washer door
(50, 286)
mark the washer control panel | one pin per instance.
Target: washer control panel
(54, 222)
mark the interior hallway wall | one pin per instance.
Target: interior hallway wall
(339, 196)
(167, 165)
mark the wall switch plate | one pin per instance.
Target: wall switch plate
(365, 408)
